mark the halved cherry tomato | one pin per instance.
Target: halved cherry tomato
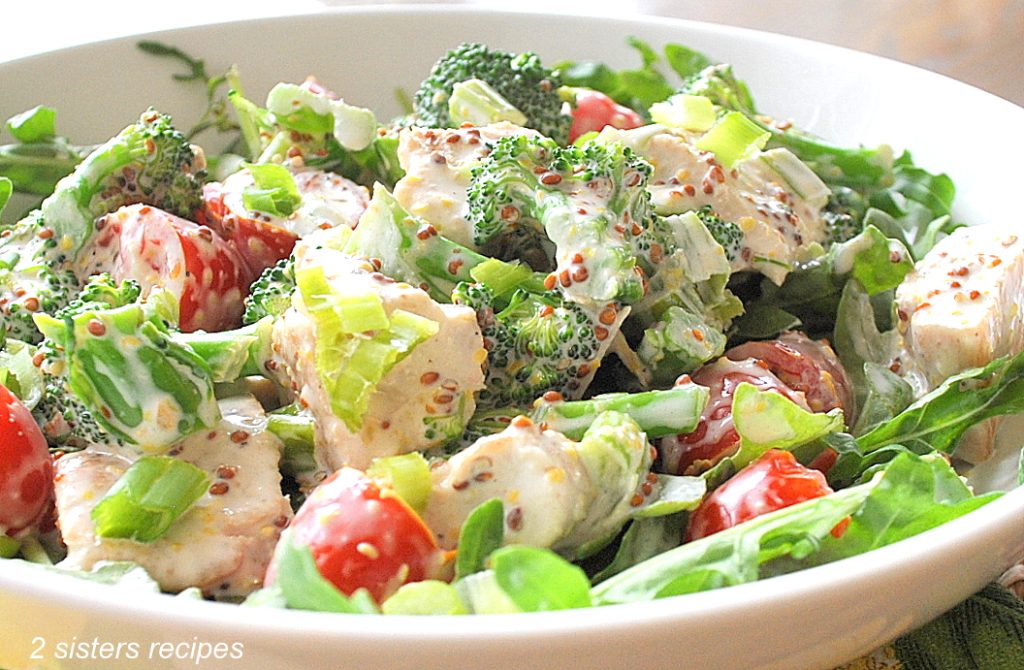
(26, 467)
(328, 200)
(715, 436)
(156, 248)
(805, 365)
(364, 537)
(772, 482)
(595, 110)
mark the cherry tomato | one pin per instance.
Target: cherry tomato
(805, 365)
(155, 248)
(715, 436)
(327, 200)
(364, 537)
(595, 110)
(772, 482)
(26, 467)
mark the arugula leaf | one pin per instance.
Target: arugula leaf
(915, 495)
(539, 580)
(685, 61)
(887, 395)
(937, 420)
(38, 124)
(911, 495)
(645, 538)
(482, 533)
(812, 293)
(858, 339)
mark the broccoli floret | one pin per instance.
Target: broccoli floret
(66, 421)
(271, 293)
(521, 79)
(148, 162)
(844, 214)
(726, 233)
(101, 292)
(719, 84)
(589, 202)
(537, 343)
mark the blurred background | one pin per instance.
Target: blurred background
(977, 41)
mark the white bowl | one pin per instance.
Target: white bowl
(814, 619)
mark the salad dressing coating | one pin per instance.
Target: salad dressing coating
(779, 226)
(437, 164)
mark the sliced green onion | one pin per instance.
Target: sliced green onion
(297, 434)
(273, 190)
(501, 277)
(408, 475)
(658, 413)
(689, 112)
(148, 498)
(797, 176)
(351, 382)
(351, 313)
(733, 139)
(424, 598)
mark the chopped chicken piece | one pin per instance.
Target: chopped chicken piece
(224, 543)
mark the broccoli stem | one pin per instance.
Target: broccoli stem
(658, 413)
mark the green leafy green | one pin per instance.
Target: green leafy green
(304, 588)
(38, 124)
(910, 496)
(538, 580)
(482, 533)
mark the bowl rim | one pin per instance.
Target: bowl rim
(16, 578)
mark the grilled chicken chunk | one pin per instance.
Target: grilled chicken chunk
(777, 223)
(424, 400)
(961, 308)
(224, 543)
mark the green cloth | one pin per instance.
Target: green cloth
(985, 632)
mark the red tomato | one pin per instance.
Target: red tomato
(327, 200)
(155, 248)
(363, 537)
(805, 365)
(715, 436)
(772, 482)
(26, 467)
(595, 110)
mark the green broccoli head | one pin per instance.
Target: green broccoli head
(586, 206)
(101, 292)
(844, 214)
(66, 421)
(537, 343)
(719, 84)
(148, 162)
(271, 293)
(521, 79)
